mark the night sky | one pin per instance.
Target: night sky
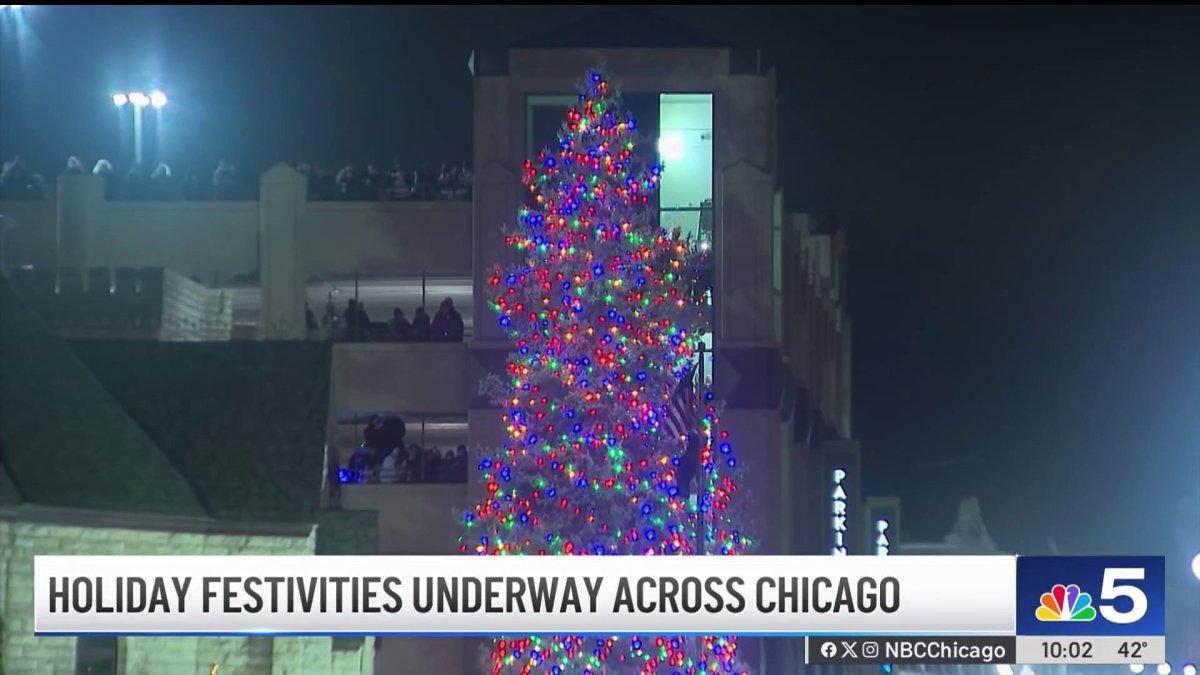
(1021, 188)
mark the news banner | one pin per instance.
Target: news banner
(854, 610)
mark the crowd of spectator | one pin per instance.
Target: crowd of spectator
(355, 325)
(452, 183)
(383, 457)
(18, 183)
(159, 182)
(140, 182)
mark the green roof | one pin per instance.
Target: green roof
(9, 495)
(348, 533)
(244, 421)
(233, 431)
(64, 442)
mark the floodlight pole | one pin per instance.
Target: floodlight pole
(137, 133)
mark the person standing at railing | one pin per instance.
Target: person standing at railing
(415, 463)
(104, 169)
(310, 322)
(432, 466)
(374, 436)
(225, 180)
(394, 431)
(448, 324)
(460, 464)
(329, 322)
(357, 321)
(420, 326)
(368, 455)
(399, 329)
(389, 469)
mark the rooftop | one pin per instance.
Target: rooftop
(229, 431)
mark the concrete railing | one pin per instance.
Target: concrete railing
(125, 303)
(414, 519)
(281, 240)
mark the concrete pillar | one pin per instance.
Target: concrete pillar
(80, 202)
(499, 135)
(499, 127)
(745, 203)
(281, 206)
(745, 261)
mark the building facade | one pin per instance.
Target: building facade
(24, 535)
(778, 355)
(153, 448)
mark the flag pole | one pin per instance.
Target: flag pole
(701, 487)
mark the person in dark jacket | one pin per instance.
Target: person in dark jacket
(420, 325)
(358, 324)
(448, 324)
(373, 448)
(373, 435)
(394, 431)
(399, 329)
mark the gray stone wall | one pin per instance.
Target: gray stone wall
(24, 654)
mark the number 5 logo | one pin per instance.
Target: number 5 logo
(1113, 589)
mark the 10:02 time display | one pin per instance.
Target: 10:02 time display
(1070, 650)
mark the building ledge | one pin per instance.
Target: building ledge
(44, 515)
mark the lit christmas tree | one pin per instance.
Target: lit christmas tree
(605, 315)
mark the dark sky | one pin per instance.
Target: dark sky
(1021, 187)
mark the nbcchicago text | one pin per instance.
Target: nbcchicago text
(941, 650)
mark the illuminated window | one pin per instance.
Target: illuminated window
(685, 148)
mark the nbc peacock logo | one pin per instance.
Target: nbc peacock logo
(1066, 603)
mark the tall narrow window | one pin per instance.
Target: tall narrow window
(95, 656)
(685, 147)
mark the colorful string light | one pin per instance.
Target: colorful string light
(603, 314)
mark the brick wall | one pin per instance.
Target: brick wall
(24, 654)
(192, 312)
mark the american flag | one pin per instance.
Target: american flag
(681, 408)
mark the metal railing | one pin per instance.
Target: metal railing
(410, 465)
(417, 457)
(333, 323)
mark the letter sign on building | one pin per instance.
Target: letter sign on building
(883, 545)
(839, 502)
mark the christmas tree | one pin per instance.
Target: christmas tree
(606, 315)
